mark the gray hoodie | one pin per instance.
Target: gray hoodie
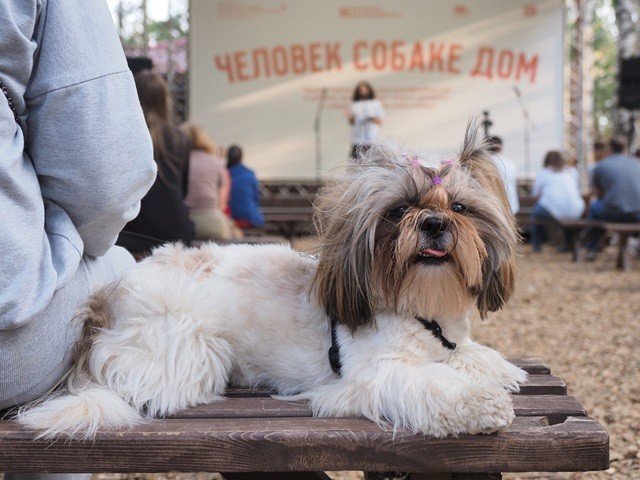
(75, 158)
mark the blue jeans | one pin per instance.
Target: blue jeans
(537, 226)
(597, 212)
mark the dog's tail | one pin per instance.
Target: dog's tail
(84, 405)
(79, 414)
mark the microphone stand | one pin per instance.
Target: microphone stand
(486, 123)
(316, 129)
(528, 126)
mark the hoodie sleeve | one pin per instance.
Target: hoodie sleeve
(86, 133)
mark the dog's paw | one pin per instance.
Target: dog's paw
(510, 377)
(488, 367)
(478, 409)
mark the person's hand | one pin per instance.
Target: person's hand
(349, 115)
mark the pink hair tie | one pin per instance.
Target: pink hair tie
(412, 158)
(448, 162)
(436, 181)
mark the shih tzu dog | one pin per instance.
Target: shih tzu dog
(376, 326)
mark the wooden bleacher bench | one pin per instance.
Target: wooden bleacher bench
(287, 206)
(249, 433)
(288, 221)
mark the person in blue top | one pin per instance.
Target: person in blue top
(244, 200)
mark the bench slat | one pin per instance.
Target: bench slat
(555, 407)
(542, 384)
(536, 384)
(308, 444)
(532, 365)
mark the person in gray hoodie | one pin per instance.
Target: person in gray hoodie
(75, 160)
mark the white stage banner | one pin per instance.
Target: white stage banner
(258, 69)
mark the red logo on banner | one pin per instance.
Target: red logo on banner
(236, 10)
(461, 10)
(373, 11)
(530, 10)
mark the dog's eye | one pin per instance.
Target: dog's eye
(398, 213)
(458, 207)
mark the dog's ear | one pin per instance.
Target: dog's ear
(499, 269)
(498, 288)
(476, 158)
(343, 278)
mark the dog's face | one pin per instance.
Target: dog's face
(427, 241)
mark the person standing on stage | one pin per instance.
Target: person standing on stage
(508, 172)
(365, 116)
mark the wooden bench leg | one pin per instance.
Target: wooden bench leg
(624, 259)
(576, 247)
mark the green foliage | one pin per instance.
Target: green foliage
(172, 28)
(605, 66)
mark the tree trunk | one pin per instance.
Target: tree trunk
(627, 23)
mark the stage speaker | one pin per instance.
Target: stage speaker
(629, 84)
(138, 64)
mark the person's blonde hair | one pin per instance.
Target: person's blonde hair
(200, 140)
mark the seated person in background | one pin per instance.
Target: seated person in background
(600, 151)
(508, 172)
(557, 194)
(208, 188)
(616, 185)
(245, 195)
(163, 215)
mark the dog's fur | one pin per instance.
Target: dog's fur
(174, 331)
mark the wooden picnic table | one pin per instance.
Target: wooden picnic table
(250, 433)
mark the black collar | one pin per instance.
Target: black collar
(334, 350)
(436, 329)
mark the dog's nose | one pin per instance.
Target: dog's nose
(433, 226)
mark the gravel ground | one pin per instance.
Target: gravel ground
(584, 321)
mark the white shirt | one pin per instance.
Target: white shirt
(559, 193)
(509, 174)
(364, 130)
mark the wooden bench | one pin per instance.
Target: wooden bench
(289, 221)
(250, 433)
(579, 228)
(287, 206)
